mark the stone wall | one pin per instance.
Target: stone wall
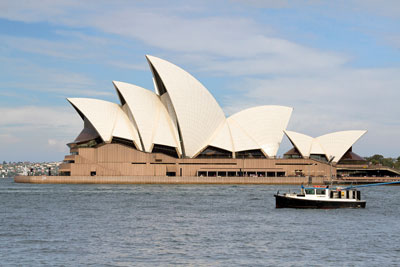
(165, 180)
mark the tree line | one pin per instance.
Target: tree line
(388, 162)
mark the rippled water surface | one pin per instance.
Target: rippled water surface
(200, 225)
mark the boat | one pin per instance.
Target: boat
(321, 197)
(325, 197)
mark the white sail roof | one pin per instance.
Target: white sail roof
(302, 142)
(223, 138)
(149, 115)
(183, 114)
(331, 145)
(241, 139)
(265, 126)
(198, 113)
(336, 144)
(107, 118)
(316, 148)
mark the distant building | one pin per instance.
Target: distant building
(180, 130)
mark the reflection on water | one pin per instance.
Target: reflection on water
(190, 224)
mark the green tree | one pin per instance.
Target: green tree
(397, 163)
(375, 159)
(389, 162)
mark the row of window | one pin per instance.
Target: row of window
(240, 174)
(311, 191)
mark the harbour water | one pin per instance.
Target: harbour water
(200, 225)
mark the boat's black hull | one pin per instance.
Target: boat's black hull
(286, 202)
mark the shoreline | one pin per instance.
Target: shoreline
(44, 179)
(167, 180)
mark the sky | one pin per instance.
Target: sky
(337, 63)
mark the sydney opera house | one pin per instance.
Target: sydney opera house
(180, 130)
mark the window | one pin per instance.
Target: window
(320, 191)
(167, 150)
(319, 157)
(292, 154)
(310, 191)
(123, 141)
(255, 153)
(299, 173)
(214, 152)
(202, 173)
(90, 143)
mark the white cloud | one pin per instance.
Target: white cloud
(239, 41)
(40, 133)
(33, 117)
(52, 142)
(394, 40)
(290, 62)
(19, 73)
(8, 139)
(33, 11)
(59, 145)
(89, 39)
(390, 8)
(60, 49)
(269, 3)
(131, 66)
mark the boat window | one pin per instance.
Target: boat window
(310, 191)
(320, 191)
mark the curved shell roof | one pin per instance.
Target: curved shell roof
(240, 138)
(264, 125)
(316, 148)
(107, 118)
(149, 115)
(183, 114)
(198, 113)
(302, 142)
(223, 138)
(331, 145)
(336, 144)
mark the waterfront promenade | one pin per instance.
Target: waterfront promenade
(166, 180)
(44, 179)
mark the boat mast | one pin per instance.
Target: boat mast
(331, 158)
